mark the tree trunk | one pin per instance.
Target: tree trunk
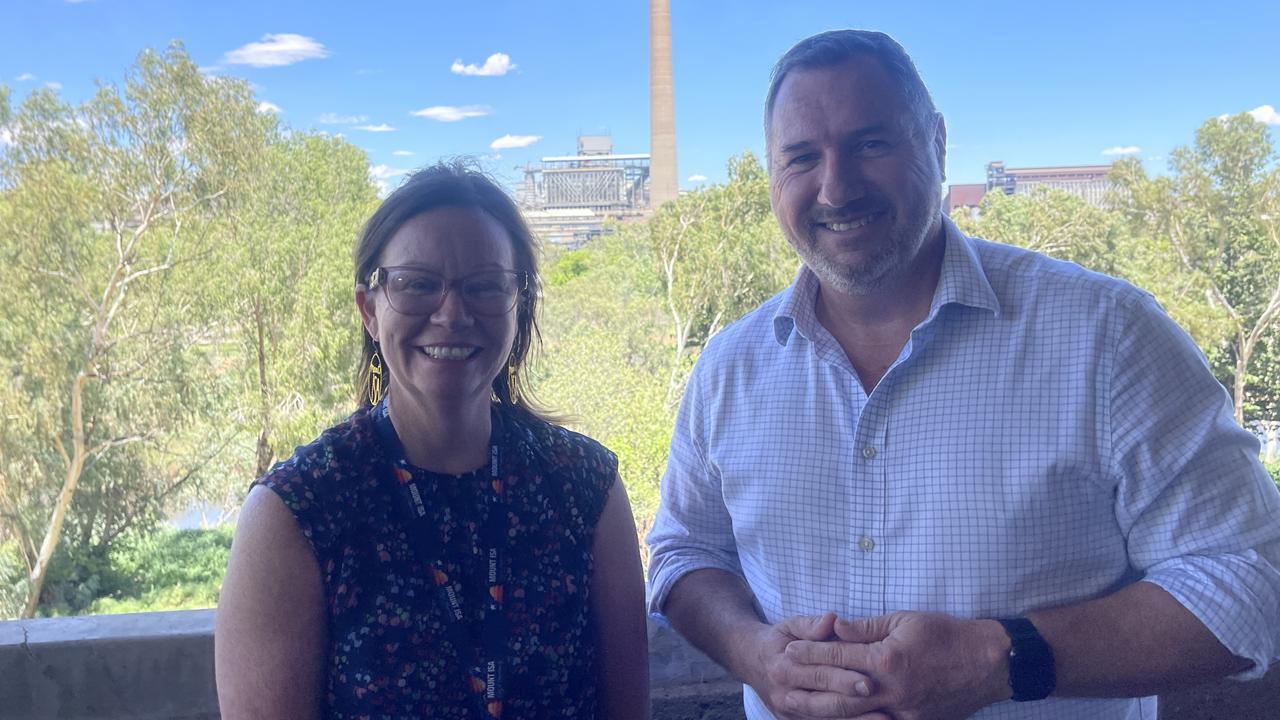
(74, 467)
(265, 454)
(1242, 367)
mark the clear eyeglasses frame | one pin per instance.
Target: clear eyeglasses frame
(413, 290)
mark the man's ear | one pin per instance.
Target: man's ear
(940, 146)
(367, 302)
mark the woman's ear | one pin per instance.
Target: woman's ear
(367, 302)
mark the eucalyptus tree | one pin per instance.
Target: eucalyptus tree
(104, 206)
(1219, 212)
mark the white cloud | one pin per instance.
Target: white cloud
(383, 172)
(1266, 114)
(6, 136)
(495, 65)
(1122, 150)
(506, 142)
(209, 69)
(26, 77)
(268, 107)
(402, 153)
(381, 176)
(451, 113)
(375, 128)
(696, 178)
(336, 119)
(276, 49)
(53, 85)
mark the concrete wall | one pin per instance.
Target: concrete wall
(160, 665)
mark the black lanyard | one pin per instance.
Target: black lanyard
(489, 659)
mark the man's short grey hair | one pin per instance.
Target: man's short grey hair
(836, 46)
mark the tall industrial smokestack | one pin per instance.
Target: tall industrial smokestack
(663, 184)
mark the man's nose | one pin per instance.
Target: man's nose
(842, 180)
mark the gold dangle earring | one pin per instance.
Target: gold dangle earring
(511, 378)
(376, 386)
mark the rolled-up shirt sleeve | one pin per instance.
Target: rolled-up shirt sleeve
(693, 529)
(1200, 515)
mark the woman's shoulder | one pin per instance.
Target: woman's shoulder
(325, 475)
(560, 447)
(573, 467)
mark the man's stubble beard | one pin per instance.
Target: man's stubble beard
(875, 272)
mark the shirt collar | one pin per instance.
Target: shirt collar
(961, 282)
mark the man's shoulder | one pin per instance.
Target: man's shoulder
(1018, 275)
(744, 338)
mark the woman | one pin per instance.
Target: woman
(445, 551)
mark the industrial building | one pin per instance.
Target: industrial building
(568, 199)
(1088, 182)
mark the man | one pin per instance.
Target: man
(938, 476)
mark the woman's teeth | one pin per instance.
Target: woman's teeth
(441, 352)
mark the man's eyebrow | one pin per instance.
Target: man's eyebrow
(859, 134)
(792, 148)
(877, 129)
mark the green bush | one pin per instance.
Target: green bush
(13, 580)
(165, 570)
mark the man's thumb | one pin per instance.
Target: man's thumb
(810, 627)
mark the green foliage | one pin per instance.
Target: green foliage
(1219, 213)
(719, 252)
(13, 579)
(184, 316)
(567, 266)
(1057, 223)
(166, 569)
(1273, 468)
(1053, 222)
(103, 205)
(626, 316)
(284, 292)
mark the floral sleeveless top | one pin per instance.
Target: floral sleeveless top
(389, 655)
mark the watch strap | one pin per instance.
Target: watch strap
(1032, 674)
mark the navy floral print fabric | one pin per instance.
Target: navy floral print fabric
(389, 652)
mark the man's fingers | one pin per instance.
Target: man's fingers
(840, 654)
(826, 678)
(826, 704)
(809, 627)
(866, 630)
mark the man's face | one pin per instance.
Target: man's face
(854, 178)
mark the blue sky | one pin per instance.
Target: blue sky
(1028, 83)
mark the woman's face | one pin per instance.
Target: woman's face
(448, 357)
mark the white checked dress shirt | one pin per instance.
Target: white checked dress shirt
(1047, 435)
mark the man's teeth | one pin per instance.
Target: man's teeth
(441, 352)
(842, 227)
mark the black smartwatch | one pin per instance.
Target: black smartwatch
(1031, 671)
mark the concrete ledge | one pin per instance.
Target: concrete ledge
(160, 665)
(145, 666)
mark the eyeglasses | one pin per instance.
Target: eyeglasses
(414, 291)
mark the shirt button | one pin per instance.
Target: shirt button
(868, 452)
(866, 543)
